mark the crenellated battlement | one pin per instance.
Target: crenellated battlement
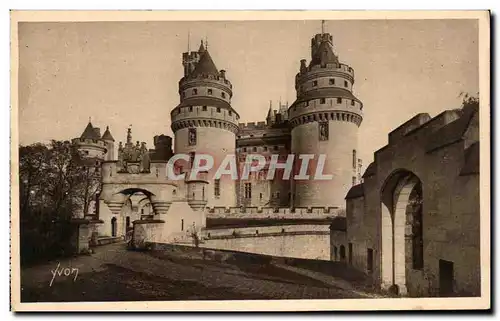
(253, 125)
(272, 212)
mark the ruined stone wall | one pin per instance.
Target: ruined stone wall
(450, 208)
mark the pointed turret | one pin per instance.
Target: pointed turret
(107, 135)
(205, 66)
(202, 48)
(89, 132)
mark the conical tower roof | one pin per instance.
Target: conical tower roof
(205, 66)
(107, 135)
(202, 48)
(89, 132)
(325, 55)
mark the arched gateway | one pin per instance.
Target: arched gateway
(402, 241)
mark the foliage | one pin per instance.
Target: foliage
(469, 100)
(55, 183)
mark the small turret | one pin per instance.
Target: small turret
(110, 144)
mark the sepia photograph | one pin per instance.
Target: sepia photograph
(250, 161)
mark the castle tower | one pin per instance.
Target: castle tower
(204, 122)
(110, 144)
(90, 143)
(325, 119)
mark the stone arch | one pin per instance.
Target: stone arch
(401, 224)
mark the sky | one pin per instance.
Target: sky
(126, 73)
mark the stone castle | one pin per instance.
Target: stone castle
(428, 165)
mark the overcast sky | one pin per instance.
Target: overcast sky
(122, 73)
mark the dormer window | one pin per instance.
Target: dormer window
(195, 91)
(210, 91)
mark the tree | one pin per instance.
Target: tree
(56, 183)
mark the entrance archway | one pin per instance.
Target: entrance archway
(402, 235)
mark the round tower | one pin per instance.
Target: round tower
(90, 143)
(325, 119)
(204, 122)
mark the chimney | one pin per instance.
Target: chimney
(303, 66)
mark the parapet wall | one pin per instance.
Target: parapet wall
(272, 212)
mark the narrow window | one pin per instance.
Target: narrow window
(332, 81)
(345, 83)
(350, 253)
(223, 95)
(254, 149)
(275, 147)
(339, 100)
(204, 108)
(265, 148)
(192, 136)
(354, 159)
(315, 83)
(218, 109)
(230, 113)
(195, 91)
(322, 100)
(248, 190)
(190, 108)
(260, 195)
(353, 180)
(183, 94)
(217, 187)
(323, 131)
(210, 91)
(352, 102)
(244, 149)
(182, 225)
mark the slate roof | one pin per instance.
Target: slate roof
(107, 135)
(90, 133)
(324, 55)
(205, 66)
